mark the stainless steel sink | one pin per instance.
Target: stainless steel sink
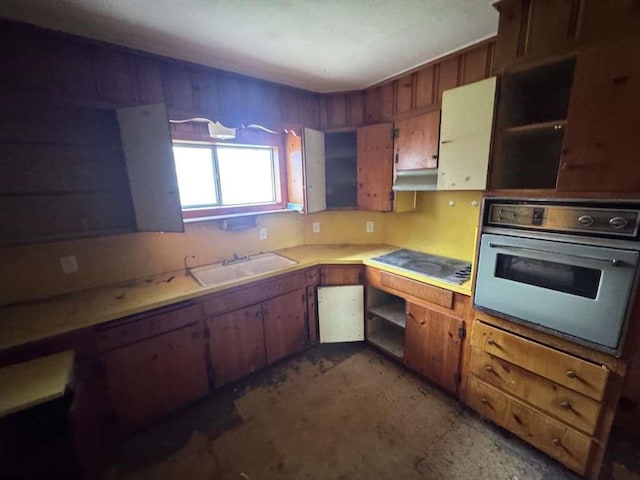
(219, 273)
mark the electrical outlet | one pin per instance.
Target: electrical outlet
(316, 227)
(369, 227)
(263, 233)
(69, 264)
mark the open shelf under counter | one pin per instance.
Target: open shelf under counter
(386, 337)
(392, 311)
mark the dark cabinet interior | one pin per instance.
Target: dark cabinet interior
(62, 173)
(341, 153)
(532, 115)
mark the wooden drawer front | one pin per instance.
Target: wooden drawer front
(551, 436)
(564, 404)
(341, 275)
(226, 302)
(147, 327)
(312, 277)
(436, 295)
(572, 372)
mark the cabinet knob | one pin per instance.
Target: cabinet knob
(489, 369)
(571, 374)
(556, 442)
(566, 405)
(484, 401)
(491, 342)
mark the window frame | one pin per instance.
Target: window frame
(279, 173)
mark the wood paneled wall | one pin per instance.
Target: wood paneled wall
(413, 93)
(38, 64)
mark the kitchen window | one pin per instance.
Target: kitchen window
(226, 179)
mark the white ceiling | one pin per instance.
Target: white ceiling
(319, 45)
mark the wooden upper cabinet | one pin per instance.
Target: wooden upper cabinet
(467, 119)
(306, 177)
(433, 345)
(600, 150)
(536, 29)
(116, 76)
(417, 142)
(375, 167)
(602, 20)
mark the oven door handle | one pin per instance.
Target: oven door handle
(613, 261)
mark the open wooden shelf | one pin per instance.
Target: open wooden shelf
(392, 311)
(386, 336)
(544, 127)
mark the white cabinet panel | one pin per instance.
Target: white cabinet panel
(341, 313)
(146, 143)
(314, 173)
(465, 136)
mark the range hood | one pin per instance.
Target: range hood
(416, 180)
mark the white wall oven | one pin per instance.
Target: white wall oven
(568, 267)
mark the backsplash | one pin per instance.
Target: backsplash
(437, 227)
(33, 271)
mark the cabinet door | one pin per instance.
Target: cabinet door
(312, 314)
(149, 379)
(433, 346)
(314, 172)
(146, 143)
(375, 167)
(306, 178)
(285, 325)
(236, 344)
(417, 142)
(465, 136)
(600, 142)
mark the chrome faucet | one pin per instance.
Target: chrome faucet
(186, 266)
(236, 259)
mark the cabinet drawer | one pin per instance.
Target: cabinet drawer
(560, 402)
(341, 275)
(147, 327)
(436, 295)
(226, 302)
(572, 372)
(545, 433)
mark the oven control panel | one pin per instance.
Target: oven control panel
(615, 222)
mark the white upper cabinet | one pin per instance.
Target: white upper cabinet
(146, 143)
(465, 136)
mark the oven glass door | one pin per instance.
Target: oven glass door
(579, 290)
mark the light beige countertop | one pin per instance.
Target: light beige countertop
(25, 385)
(39, 319)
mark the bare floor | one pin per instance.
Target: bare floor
(339, 412)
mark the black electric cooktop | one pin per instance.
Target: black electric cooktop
(447, 269)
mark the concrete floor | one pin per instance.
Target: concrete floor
(339, 412)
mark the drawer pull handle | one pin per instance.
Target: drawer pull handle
(491, 342)
(484, 401)
(571, 374)
(566, 405)
(556, 442)
(489, 369)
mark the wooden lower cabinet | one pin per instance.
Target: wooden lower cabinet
(248, 339)
(236, 344)
(285, 325)
(151, 378)
(341, 275)
(559, 441)
(312, 315)
(433, 344)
